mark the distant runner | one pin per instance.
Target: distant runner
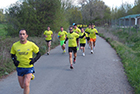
(78, 31)
(62, 36)
(71, 37)
(48, 34)
(83, 41)
(92, 36)
(87, 30)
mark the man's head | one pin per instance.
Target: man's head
(82, 30)
(61, 28)
(75, 26)
(71, 29)
(48, 28)
(23, 36)
(92, 26)
(89, 25)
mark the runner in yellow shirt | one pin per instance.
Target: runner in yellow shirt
(72, 36)
(62, 36)
(78, 31)
(83, 41)
(92, 36)
(48, 34)
(88, 32)
(22, 56)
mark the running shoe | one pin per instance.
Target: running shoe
(64, 51)
(74, 60)
(33, 77)
(83, 54)
(91, 51)
(71, 67)
(48, 53)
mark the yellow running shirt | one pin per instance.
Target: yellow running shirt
(77, 29)
(88, 30)
(24, 52)
(48, 34)
(62, 34)
(72, 39)
(83, 40)
(93, 33)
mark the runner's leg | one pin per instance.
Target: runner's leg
(27, 79)
(70, 58)
(21, 81)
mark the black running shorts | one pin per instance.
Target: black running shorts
(72, 49)
(88, 38)
(48, 40)
(82, 44)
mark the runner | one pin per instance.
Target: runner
(92, 36)
(83, 41)
(48, 34)
(62, 36)
(78, 31)
(22, 56)
(71, 36)
(88, 32)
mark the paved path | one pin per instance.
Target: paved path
(98, 73)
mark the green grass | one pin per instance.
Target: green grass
(127, 47)
(3, 32)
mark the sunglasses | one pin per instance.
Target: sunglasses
(70, 29)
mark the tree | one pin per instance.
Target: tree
(2, 16)
(94, 10)
(35, 16)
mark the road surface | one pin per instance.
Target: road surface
(98, 73)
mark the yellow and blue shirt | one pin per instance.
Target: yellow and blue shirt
(62, 34)
(24, 52)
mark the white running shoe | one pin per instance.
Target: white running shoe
(48, 53)
(92, 52)
(83, 54)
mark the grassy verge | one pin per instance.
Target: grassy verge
(126, 46)
(6, 64)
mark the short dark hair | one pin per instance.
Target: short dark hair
(75, 24)
(70, 27)
(61, 27)
(22, 30)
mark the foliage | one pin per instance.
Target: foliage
(2, 16)
(94, 10)
(3, 32)
(35, 16)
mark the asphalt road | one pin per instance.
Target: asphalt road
(98, 73)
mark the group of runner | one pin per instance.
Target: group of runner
(22, 50)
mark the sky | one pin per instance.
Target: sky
(117, 3)
(110, 3)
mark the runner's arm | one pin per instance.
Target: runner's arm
(14, 58)
(65, 40)
(87, 32)
(33, 60)
(82, 36)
